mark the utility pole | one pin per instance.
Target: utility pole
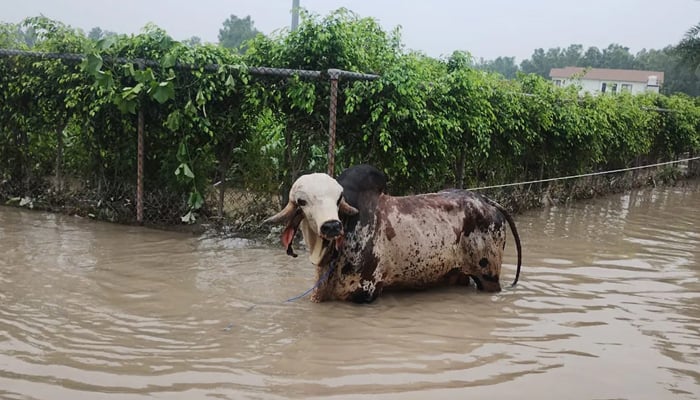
(295, 14)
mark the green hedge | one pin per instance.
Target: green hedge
(429, 123)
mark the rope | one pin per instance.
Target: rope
(318, 283)
(586, 175)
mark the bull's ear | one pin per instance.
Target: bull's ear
(346, 208)
(285, 214)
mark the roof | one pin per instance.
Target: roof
(605, 74)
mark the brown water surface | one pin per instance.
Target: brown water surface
(608, 308)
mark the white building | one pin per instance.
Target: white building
(602, 80)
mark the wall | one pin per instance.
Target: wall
(594, 86)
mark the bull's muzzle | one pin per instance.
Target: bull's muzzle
(331, 229)
(487, 283)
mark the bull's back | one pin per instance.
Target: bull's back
(421, 239)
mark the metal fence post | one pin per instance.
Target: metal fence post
(334, 75)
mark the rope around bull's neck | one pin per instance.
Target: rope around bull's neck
(322, 279)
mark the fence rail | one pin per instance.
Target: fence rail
(262, 71)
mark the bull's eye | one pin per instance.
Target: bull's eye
(339, 198)
(301, 202)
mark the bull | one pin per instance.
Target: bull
(363, 241)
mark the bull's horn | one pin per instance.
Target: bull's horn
(283, 215)
(346, 208)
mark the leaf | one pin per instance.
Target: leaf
(196, 201)
(182, 152)
(173, 121)
(105, 80)
(106, 42)
(190, 108)
(126, 106)
(144, 76)
(189, 218)
(169, 60)
(184, 170)
(163, 92)
(93, 63)
(199, 99)
(133, 90)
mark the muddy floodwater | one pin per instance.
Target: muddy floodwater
(608, 307)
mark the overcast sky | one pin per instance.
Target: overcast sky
(485, 28)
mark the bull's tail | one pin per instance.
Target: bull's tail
(511, 223)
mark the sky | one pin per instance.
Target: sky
(485, 28)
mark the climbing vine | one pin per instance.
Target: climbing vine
(429, 123)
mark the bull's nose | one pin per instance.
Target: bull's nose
(487, 283)
(331, 229)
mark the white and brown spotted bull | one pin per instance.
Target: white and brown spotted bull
(363, 241)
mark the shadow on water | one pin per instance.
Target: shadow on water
(607, 307)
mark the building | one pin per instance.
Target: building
(603, 80)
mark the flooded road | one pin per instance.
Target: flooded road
(608, 307)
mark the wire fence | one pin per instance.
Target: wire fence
(229, 205)
(519, 196)
(685, 161)
(224, 203)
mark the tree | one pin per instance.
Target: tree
(466, 105)
(614, 56)
(459, 60)
(97, 33)
(592, 58)
(572, 55)
(16, 36)
(542, 62)
(193, 41)
(388, 122)
(686, 71)
(536, 64)
(689, 47)
(505, 66)
(236, 32)
(618, 57)
(652, 59)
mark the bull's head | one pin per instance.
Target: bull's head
(315, 202)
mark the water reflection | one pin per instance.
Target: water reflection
(607, 308)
